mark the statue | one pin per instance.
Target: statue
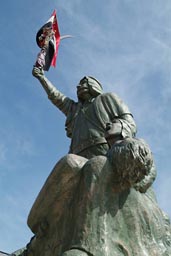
(98, 199)
(94, 119)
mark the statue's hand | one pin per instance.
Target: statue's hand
(38, 72)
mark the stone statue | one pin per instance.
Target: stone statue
(98, 199)
(89, 118)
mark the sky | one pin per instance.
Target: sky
(125, 44)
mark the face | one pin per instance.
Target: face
(83, 91)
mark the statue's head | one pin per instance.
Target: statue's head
(131, 159)
(88, 87)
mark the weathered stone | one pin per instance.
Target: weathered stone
(79, 208)
(101, 205)
(3, 253)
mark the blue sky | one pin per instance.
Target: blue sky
(126, 44)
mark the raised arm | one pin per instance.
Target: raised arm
(62, 102)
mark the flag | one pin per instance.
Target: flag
(48, 39)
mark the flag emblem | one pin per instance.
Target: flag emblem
(48, 39)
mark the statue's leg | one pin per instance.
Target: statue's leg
(74, 252)
(60, 184)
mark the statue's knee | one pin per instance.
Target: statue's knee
(74, 252)
(74, 161)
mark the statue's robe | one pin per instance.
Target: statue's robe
(80, 206)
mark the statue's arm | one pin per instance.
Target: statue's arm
(62, 102)
(122, 122)
(128, 126)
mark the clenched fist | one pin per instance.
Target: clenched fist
(38, 72)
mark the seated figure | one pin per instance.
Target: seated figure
(98, 199)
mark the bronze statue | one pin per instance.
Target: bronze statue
(95, 121)
(98, 200)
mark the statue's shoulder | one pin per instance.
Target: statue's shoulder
(108, 97)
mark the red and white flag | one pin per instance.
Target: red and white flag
(48, 39)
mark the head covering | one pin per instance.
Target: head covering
(94, 85)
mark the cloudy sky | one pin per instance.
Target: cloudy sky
(126, 44)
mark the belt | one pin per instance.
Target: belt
(88, 143)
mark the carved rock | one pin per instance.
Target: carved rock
(80, 210)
